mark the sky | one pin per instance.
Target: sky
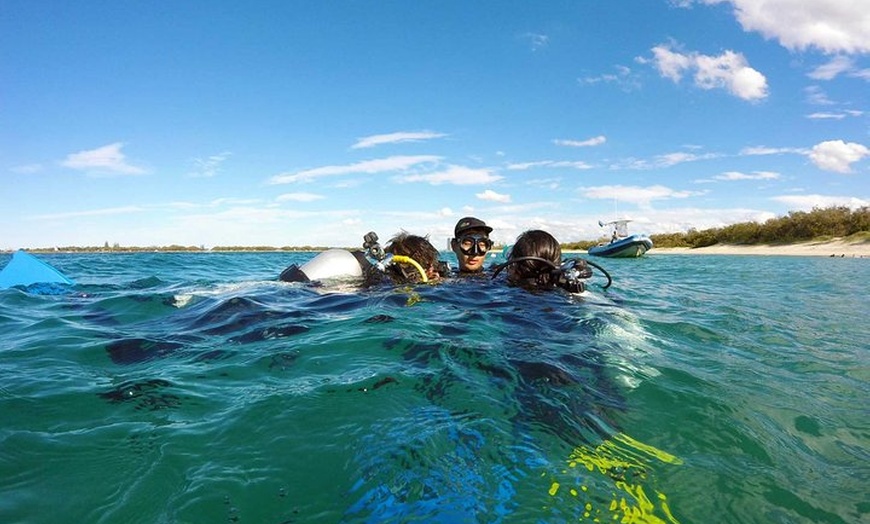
(298, 123)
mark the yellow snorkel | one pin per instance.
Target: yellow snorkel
(402, 259)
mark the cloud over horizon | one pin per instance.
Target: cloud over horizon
(729, 71)
(107, 159)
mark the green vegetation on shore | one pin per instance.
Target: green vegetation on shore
(798, 226)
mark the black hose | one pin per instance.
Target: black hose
(498, 268)
(599, 268)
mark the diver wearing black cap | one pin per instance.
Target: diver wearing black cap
(471, 243)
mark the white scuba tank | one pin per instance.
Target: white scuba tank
(332, 263)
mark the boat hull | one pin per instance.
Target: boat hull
(628, 247)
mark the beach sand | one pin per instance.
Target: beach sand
(832, 248)
(836, 248)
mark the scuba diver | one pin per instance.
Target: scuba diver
(471, 243)
(535, 262)
(406, 259)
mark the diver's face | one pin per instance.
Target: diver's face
(471, 250)
(470, 262)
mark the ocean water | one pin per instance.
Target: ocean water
(194, 388)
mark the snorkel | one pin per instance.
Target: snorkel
(402, 259)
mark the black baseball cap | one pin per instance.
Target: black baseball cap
(467, 223)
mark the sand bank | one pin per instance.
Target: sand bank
(835, 248)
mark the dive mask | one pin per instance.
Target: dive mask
(473, 246)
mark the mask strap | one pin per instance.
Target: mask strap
(501, 266)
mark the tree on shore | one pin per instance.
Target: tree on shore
(798, 226)
(820, 224)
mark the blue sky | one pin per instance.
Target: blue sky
(289, 123)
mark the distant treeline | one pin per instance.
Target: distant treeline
(797, 226)
(171, 249)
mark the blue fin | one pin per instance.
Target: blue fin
(25, 269)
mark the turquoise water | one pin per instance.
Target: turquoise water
(195, 388)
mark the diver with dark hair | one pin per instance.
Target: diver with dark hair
(407, 259)
(535, 262)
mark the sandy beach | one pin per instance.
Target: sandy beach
(833, 248)
(836, 248)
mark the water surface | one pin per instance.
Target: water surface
(195, 388)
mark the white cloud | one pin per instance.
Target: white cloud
(298, 197)
(756, 175)
(764, 150)
(572, 165)
(837, 156)
(381, 165)
(831, 26)
(826, 116)
(395, 138)
(808, 202)
(595, 141)
(106, 159)
(834, 116)
(624, 78)
(670, 65)
(641, 196)
(90, 213)
(816, 96)
(528, 165)
(492, 196)
(549, 163)
(209, 166)
(729, 71)
(829, 71)
(456, 175)
(663, 161)
(672, 159)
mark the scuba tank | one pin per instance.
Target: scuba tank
(332, 263)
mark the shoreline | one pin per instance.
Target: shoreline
(833, 248)
(830, 248)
